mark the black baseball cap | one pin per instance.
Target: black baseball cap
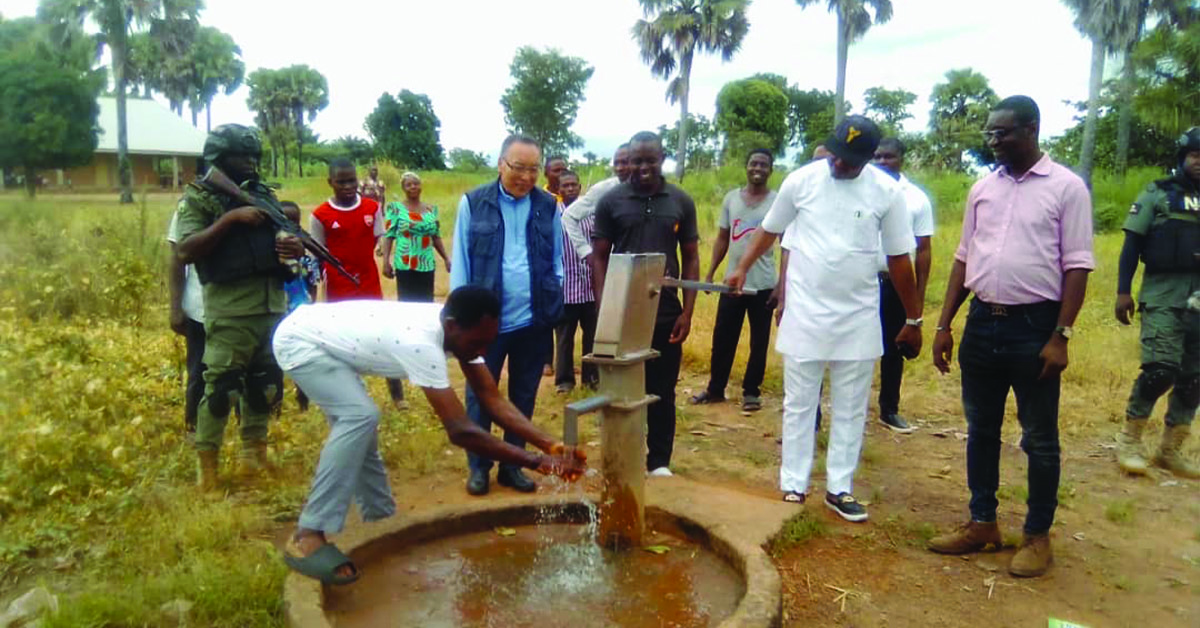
(854, 140)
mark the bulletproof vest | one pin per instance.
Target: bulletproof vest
(245, 251)
(1173, 245)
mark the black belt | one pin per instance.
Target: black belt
(1003, 311)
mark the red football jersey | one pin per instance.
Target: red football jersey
(350, 236)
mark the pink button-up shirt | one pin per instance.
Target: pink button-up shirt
(1019, 236)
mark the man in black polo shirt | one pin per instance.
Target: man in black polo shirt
(648, 215)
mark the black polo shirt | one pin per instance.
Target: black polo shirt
(656, 223)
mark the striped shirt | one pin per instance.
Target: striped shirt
(577, 274)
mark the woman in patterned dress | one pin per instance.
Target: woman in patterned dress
(411, 240)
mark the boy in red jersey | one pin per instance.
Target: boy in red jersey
(350, 225)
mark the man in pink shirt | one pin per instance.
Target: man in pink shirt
(1025, 252)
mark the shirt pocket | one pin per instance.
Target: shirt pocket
(862, 231)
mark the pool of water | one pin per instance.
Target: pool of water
(546, 576)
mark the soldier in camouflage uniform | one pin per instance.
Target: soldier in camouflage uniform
(238, 260)
(1163, 230)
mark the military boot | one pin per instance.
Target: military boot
(253, 460)
(1170, 452)
(206, 470)
(1129, 447)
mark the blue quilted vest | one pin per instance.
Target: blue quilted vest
(486, 249)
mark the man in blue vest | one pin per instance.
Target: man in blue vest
(508, 239)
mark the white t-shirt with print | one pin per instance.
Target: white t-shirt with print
(388, 338)
(920, 211)
(835, 230)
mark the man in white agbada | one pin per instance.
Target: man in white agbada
(838, 215)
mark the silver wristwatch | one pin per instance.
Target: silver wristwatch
(915, 322)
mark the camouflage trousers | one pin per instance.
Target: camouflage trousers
(240, 369)
(1170, 361)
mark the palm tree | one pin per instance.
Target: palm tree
(307, 92)
(672, 33)
(854, 20)
(1112, 25)
(116, 18)
(218, 67)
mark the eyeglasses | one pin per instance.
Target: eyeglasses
(998, 134)
(520, 169)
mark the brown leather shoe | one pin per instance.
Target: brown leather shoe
(1034, 558)
(972, 536)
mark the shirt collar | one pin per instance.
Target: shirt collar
(505, 195)
(1041, 168)
(660, 190)
(357, 202)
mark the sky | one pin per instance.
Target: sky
(458, 52)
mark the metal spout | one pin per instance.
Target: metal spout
(571, 416)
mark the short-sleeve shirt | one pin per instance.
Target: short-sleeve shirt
(373, 189)
(655, 223)
(192, 300)
(413, 232)
(387, 338)
(920, 211)
(248, 296)
(834, 230)
(350, 233)
(1153, 208)
(742, 220)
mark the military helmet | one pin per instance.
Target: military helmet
(231, 139)
(1188, 142)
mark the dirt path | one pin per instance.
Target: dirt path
(1127, 551)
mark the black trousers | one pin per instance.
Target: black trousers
(575, 315)
(662, 373)
(194, 335)
(727, 333)
(414, 286)
(891, 366)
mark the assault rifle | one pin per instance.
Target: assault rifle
(216, 181)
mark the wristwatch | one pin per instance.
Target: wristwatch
(1065, 331)
(915, 322)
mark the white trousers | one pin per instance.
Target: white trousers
(850, 391)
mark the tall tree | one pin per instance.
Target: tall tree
(269, 101)
(752, 113)
(854, 19)
(960, 110)
(466, 160)
(671, 34)
(218, 68)
(48, 104)
(809, 114)
(1111, 25)
(116, 19)
(405, 131)
(544, 98)
(307, 92)
(889, 107)
(701, 141)
(1168, 63)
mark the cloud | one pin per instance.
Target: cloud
(458, 51)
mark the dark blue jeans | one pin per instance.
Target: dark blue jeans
(999, 351)
(525, 349)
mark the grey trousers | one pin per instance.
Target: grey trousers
(350, 466)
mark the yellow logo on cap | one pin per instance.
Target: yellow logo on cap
(851, 134)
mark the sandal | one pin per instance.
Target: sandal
(751, 404)
(323, 565)
(793, 497)
(705, 397)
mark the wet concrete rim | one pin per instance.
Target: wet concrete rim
(760, 606)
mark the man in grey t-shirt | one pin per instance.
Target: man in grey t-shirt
(741, 213)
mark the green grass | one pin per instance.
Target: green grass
(1120, 512)
(94, 474)
(798, 530)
